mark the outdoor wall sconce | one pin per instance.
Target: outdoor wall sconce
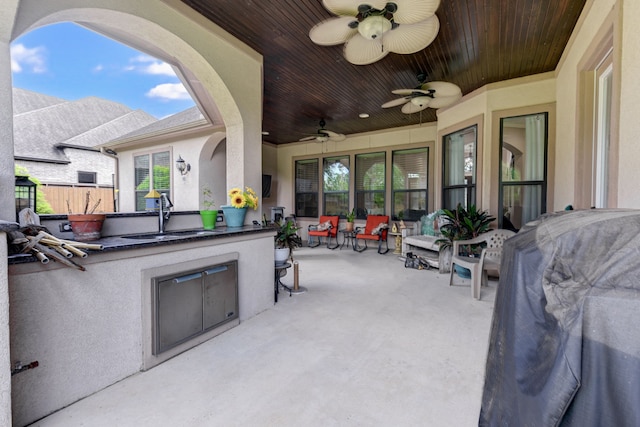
(182, 166)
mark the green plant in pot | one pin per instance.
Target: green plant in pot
(286, 240)
(461, 224)
(208, 214)
(351, 216)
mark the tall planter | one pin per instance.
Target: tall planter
(209, 219)
(234, 217)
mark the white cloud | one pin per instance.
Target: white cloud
(32, 59)
(169, 91)
(98, 68)
(148, 65)
(159, 68)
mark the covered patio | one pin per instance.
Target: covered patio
(369, 343)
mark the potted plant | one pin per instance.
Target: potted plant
(286, 240)
(351, 216)
(240, 201)
(86, 226)
(208, 214)
(460, 224)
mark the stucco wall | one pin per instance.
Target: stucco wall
(629, 129)
(86, 328)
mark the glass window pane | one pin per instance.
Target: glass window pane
(307, 185)
(523, 161)
(336, 203)
(336, 185)
(336, 174)
(370, 184)
(459, 168)
(521, 203)
(460, 157)
(161, 171)
(410, 171)
(523, 148)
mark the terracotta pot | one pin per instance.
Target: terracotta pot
(348, 226)
(86, 227)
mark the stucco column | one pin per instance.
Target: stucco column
(7, 201)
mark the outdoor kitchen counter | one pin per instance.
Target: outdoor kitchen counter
(90, 329)
(160, 243)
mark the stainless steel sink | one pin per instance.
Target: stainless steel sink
(171, 235)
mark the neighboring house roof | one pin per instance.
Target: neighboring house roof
(44, 125)
(187, 118)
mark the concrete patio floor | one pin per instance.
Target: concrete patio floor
(369, 344)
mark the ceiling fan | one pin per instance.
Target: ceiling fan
(372, 29)
(324, 135)
(427, 94)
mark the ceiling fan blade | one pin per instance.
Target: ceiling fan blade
(350, 7)
(412, 11)
(442, 88)
(444, 101)
(396, 102)
(308, 138)
(361, 51)
(335, 136)
(410, 108)
(409, 91)
(332, 31)
(411, 38)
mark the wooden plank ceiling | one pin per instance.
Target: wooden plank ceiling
(480, 42)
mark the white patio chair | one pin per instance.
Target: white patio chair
(489, 258)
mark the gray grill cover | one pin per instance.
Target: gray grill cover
(564, 346)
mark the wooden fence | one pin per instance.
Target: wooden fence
(58, 196)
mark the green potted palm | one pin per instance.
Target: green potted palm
(286, 240)
(460, 224)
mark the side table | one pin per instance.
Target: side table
(347, 237)
(280, 270)
(398, 237)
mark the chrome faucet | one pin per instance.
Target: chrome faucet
(164, 212)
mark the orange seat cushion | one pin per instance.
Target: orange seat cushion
(332, 232)
(372, 222)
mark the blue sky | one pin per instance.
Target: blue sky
(71, 62)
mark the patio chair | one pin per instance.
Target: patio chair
(489, 258)
(375, 229)
(327, 228)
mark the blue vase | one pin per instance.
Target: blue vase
(234, 217)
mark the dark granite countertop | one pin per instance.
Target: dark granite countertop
(146, 240)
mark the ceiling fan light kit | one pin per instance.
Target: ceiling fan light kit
(373, 29)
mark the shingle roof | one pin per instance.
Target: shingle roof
(188, 116)
(43, 123)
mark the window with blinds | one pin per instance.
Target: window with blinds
(335, 190)
(370, 184)
(307, 186)
(152, 171)
(409, 187)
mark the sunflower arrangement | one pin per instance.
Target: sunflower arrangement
(242, 199)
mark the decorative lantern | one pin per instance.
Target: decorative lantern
(25, 191)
